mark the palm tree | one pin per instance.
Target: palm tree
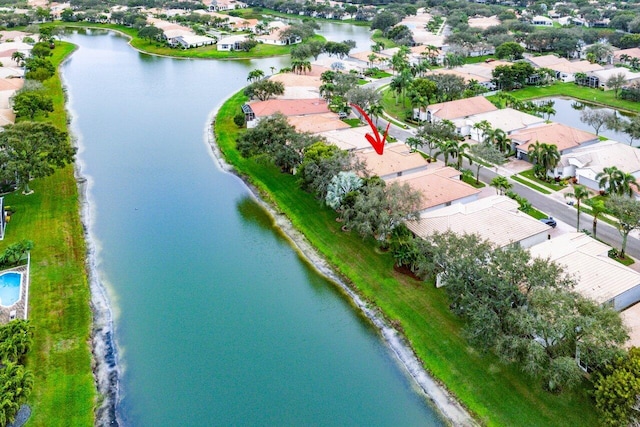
(626, 184)
(608, 179)
(448, 148)
(375, 110)
(501, 184)
(624, 58)
(18, 57)
(462, 148)
(580, 193)
(255, 75)
(545, 156)
(501, 141)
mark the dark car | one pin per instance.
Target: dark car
(549, 221)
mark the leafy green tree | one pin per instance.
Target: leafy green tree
(16, 384)
(479, 153)
(632, 128)
(33, 150)
(264, 89)
(617, 390)
(434, 134)
(321, 163)
(627, 211)
(384, 20)
(363, 97)
(510, 50)
(41, 49)
(580, 193)
(596, 118)
(616, 82)
(39, 68)
(379, 208)
(150, 33)
(29, 103)
(16, 339)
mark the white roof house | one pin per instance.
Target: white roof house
(604, 75)
(495, 218)
(230, 43)
(542, 21)
(507, 119)
(350, 139)
(598, 277)
(397, 160)
(586, 162)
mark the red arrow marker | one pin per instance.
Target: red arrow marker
(375, 141)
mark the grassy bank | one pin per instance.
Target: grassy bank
(579, 92)
(497, 394)
(64, 391)
(204, 52)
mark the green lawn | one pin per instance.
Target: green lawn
(472, 182)
(530, 184)
(535, 213)
(498, 395)
(64, 392)
(204, 52)
(377, 37)
(395, 106)
(354, 123)
(579, 92)
(530, 175)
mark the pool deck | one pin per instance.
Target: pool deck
(19, 306)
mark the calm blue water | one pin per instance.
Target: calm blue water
(9, 288)
(218, 320)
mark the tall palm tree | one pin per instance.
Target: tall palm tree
(448, 148)
(375, 110)
(462, 148)
(579, 193)
(255, 75)
(609, 178)
(627, 184)
(501, 184)
(501, 141)
(545, 156)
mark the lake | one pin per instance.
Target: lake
(218, 321)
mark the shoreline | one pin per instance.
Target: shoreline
(449, 408)
(104, 363)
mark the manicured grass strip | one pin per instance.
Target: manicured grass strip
(395, 106)
(204, 52)
(535, 213)
(499, 395)
(472, 182)
(64, 393)
(530, 184)
(579, 92)
(551, 186)
(354, 123)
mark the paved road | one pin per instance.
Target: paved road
(545, 203)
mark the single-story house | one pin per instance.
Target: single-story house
(218, 5)
(190, 41)
(495, 218)
(586, 162)
(542, 21)
(397, 160)
(231, 43)
(633, 52)
(564, 69)
(457, 111)
(317, 123)
(351, 139)
(604, 75)
(565, 138)
(440, 187)
(598, 277)
(507, 119)
(275, 38)
(255, 111)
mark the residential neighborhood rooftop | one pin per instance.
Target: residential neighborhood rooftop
(289, 107)
(562, 136)
(396, 159)
(462, 108)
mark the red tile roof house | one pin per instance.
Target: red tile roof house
(456, 111)
(565, 138)
(396, 160)
(439, 187)
(289, 107)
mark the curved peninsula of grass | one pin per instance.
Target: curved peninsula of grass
(497, 394)
(203, 52)
(64, 391)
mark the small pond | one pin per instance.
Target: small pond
(568, 112)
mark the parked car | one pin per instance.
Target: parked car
(342, 115)
(549, 221)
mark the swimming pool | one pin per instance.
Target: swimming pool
(10, 288)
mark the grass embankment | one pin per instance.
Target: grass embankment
(579, 92)
(498, 394)
(377, 37)
(64, 393)
(204, 52)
